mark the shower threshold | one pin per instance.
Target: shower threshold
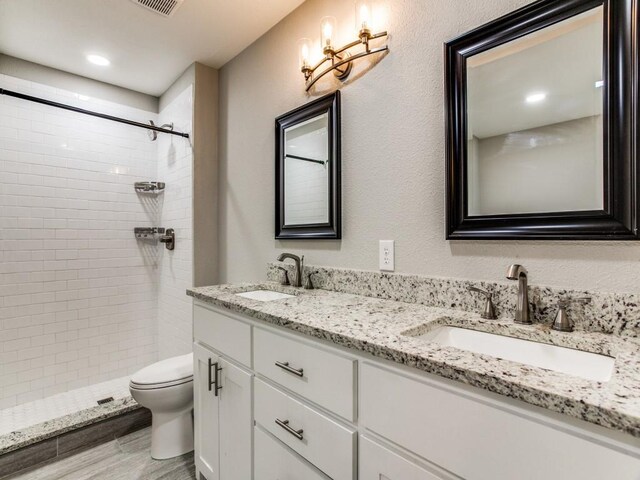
(29, 423)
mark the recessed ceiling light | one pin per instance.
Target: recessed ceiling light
(600, 84)
(98, 60)
(536, 97)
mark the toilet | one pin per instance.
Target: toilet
(166, 388)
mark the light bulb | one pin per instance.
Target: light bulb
(304, 53)
(535, 97)
(98, 60)
(328, 26)
(328, 30)
(363, 15)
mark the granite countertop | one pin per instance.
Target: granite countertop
(383, 328)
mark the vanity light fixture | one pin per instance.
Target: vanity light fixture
(536, 97)
(98, 60)
(340, 58)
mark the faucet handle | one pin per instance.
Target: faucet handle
(562, 322)
(486, 293)
(489, 311)
(284, 276)
(308, 283)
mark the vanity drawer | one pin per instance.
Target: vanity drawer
(477, 437)
(324, 442)
(378, 462)
(224, 334)
(273, 460)
(323, 377)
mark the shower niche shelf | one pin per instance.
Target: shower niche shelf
(149, 187)
(167, 236)
(148, 233)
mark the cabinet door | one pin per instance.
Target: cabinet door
(236, 422)
(205, 413)
(380, 463)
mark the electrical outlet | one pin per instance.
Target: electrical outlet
(386, 258)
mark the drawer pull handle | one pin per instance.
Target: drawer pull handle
(285, 424)
(285, 366)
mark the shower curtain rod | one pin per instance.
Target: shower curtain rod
(306, 159)
(89, 112)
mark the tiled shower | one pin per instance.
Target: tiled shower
(82, 302)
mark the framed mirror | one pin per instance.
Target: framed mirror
(308, 170)
(541, 124)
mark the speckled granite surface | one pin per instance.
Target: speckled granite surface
(28, 436)
(606, 312)
(382, 327)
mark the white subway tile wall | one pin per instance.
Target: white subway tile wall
(78, 293)
(175, 167)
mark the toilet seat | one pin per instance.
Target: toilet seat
(156, 386)
(165, 373)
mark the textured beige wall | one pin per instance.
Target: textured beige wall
(393, 158)
(205, 176)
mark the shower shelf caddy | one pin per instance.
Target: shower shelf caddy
(148, 233)
(149, 187)
(167, 236)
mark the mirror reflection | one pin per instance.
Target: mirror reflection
(535, 121)
(306, 172)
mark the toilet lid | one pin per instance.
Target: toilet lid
(170, 370)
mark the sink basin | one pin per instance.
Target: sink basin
(265, 295)
(590, 366)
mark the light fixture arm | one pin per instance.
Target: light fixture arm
(344, 58)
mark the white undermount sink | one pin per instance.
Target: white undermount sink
(590, 366)
(265, 295)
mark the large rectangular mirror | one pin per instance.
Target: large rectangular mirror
(308, 170)
(540, 106)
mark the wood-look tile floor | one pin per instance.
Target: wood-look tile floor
(127, 458)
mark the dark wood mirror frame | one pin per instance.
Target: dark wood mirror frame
(333, 228)
(619, 218)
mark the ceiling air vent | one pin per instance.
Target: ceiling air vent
(165, 8)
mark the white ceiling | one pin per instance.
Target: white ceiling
(147, 51)
(563, 62)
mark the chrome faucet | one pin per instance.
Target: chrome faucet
(297, 280)
(518, 272)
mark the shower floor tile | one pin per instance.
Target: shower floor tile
(59, 405)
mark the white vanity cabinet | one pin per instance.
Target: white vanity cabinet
(481, 437)
(223, 416)
(295, 408)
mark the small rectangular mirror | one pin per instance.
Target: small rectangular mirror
(308, 170)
